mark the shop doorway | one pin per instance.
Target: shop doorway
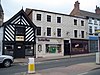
(66, 47)
(19, 51)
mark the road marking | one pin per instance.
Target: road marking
(83, 73)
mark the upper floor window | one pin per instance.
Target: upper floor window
(58, 19)
(75, 33)
(38, 30)
(38, 17)
(82, 34)
(48, 18)
(20, 31)
(59, 32)
(75, 22)
(90, 21)
(48, 31)
(90, 30)
(95, 22)
(82, 23)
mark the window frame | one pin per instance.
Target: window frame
(48, 31)
(38, 31)
(48, 18)
(58, 19)
(38, 17)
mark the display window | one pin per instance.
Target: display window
(53, 48)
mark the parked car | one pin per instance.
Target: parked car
(6, 60)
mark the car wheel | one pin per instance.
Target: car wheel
(6, 63)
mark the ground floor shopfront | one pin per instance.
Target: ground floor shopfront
(46, 47)
(19, 36)
(93, 44)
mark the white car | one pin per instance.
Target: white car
(6, 60)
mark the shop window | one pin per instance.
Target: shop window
(9, 47)
(28, 49)
(53, 48)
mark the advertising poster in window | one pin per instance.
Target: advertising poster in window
(79, 46)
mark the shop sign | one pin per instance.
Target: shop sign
(19, 38)
(43, 39)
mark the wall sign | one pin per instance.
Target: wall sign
(19, 38)
(43, 39)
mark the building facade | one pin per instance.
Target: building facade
(1, 29)
(56, 33)
(19, 36)
(93, 24)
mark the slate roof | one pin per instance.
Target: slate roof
(89, 14)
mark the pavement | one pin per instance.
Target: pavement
(77, 69)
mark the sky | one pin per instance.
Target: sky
(11, 7)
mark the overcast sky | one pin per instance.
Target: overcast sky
(11, 7)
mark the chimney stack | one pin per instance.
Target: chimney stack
(77, 5)
(97, 10)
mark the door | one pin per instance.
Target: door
(66, 47)
(19, 50)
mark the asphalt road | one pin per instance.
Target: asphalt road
(22, 67)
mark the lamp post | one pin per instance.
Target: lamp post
(98, 53)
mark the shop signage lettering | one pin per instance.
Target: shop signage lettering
(43, 39)
(19, 38)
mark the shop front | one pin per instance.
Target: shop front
(93, 44)
(49, 47)
(79, 46)
(19, 36)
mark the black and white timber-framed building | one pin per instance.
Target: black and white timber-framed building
(19, 36)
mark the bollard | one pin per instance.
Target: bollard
(98, 58)
(31, 65)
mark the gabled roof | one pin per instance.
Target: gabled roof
(20, 13)
(89, 14)
(1, 9)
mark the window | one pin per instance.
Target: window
(95, 22)
(39, 17)
(59, 32)
(95, 28)
(75, 33)
(38, 30)
(90, 21)
(48, 18)
(82, 33)
(53, 48)
(48, 31)
(82, 23)
(75, 22)
(90, 30)
(20, 31)
(58, 19)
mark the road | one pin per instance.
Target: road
(22, 67)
